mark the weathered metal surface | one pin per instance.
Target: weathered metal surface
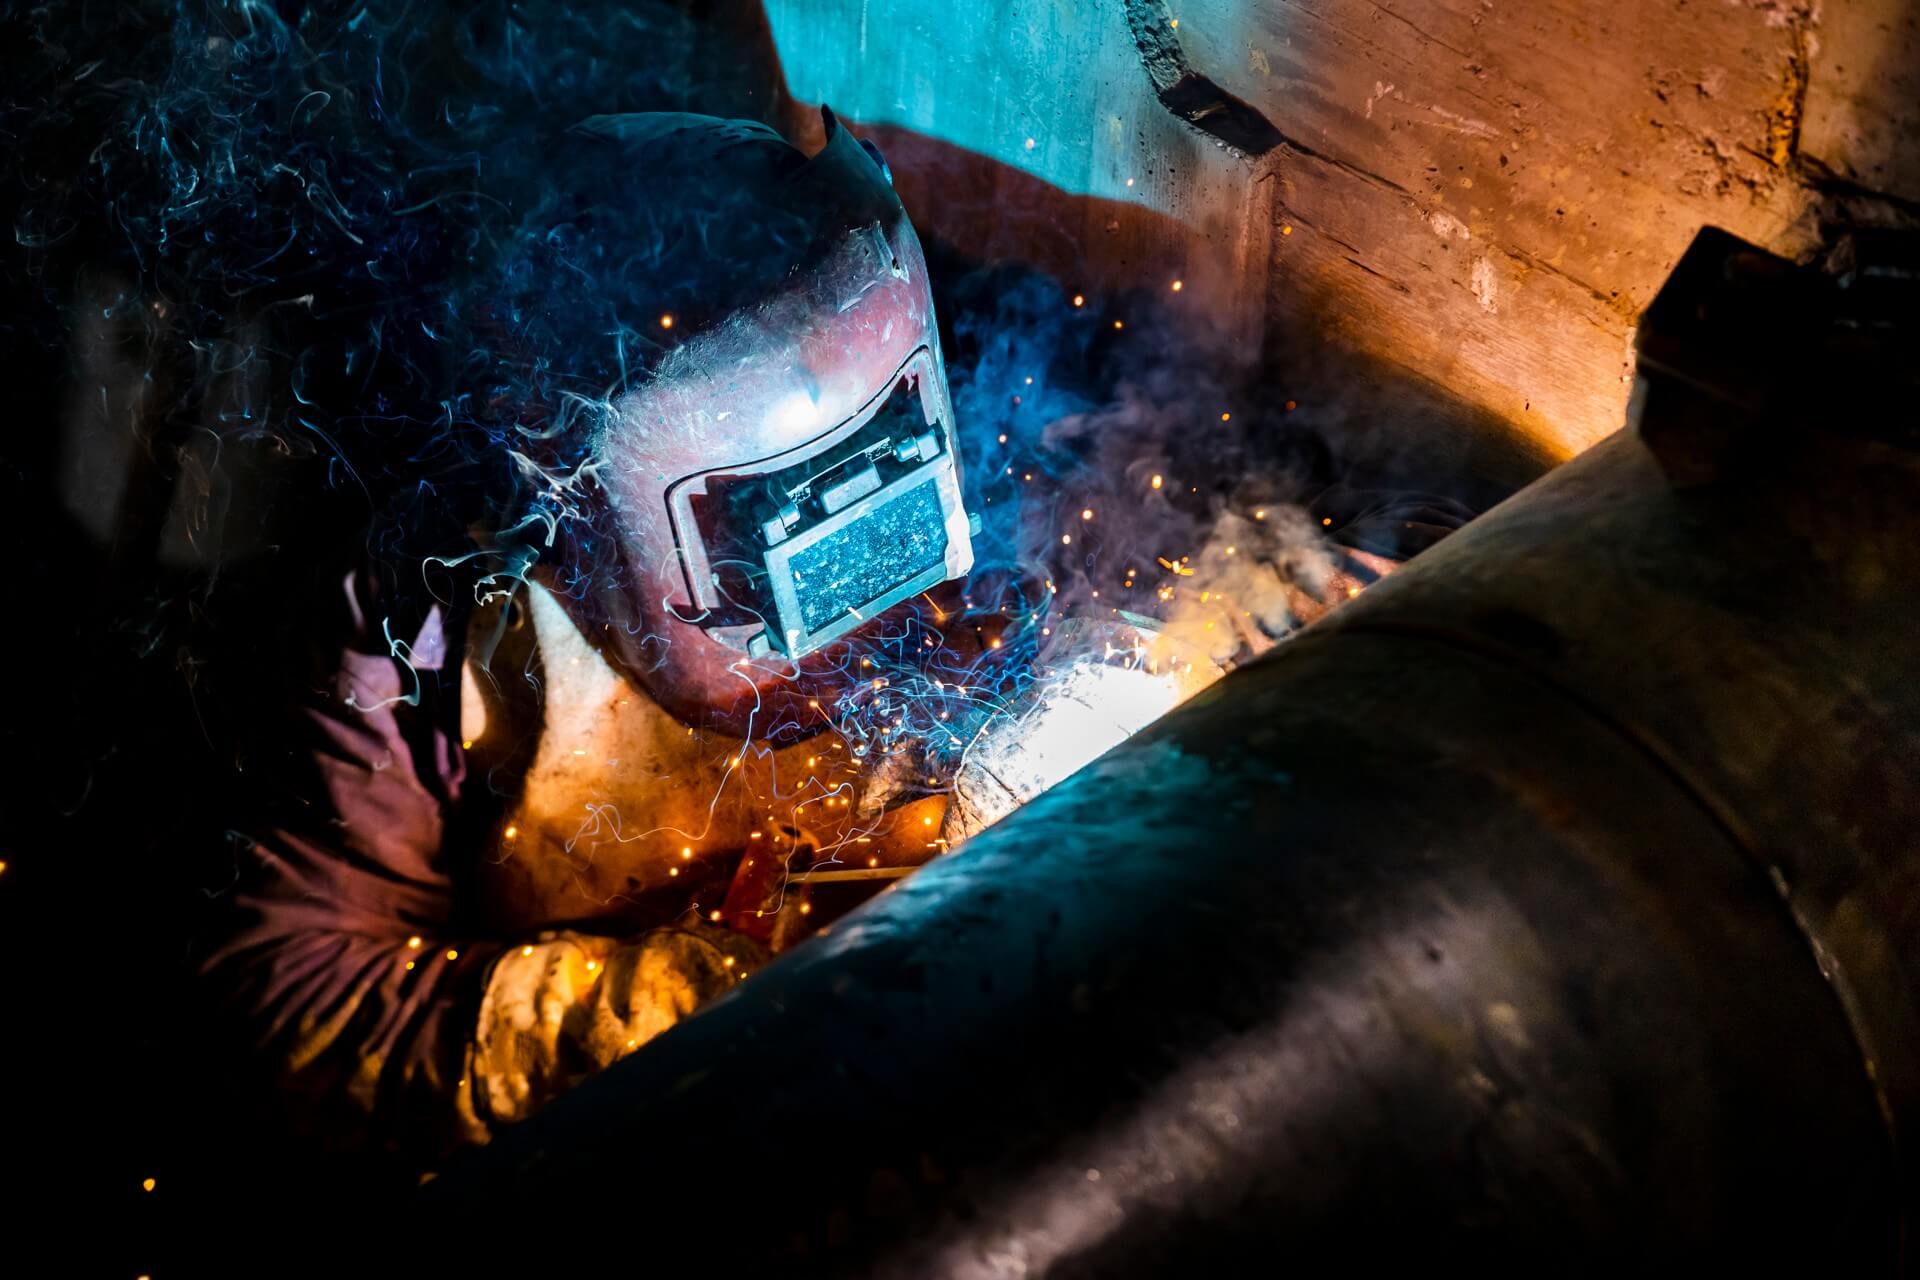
(1550, 904)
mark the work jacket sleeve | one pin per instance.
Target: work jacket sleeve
(340, 960)
(377, 1011)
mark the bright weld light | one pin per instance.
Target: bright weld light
(794, 414)
(1087, 514)
(1178, 286)
(1086, 709)
(666, 322)
(1157, 482)
(1079, 300)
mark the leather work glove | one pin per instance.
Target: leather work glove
(556, 1010)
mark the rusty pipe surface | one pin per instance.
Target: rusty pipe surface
(1549, 904)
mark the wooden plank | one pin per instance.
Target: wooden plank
(1497, 189)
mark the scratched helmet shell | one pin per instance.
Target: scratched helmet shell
(784, 468)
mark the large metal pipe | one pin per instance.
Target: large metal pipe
(1550, 903)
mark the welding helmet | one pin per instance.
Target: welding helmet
(784, 468)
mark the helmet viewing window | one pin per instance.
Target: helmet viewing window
(789, 553)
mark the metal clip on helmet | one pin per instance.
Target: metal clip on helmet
(788, 471)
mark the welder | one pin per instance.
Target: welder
(548, 795)
(531, 824)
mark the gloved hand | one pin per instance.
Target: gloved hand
(566, 1005)
(663, 976)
